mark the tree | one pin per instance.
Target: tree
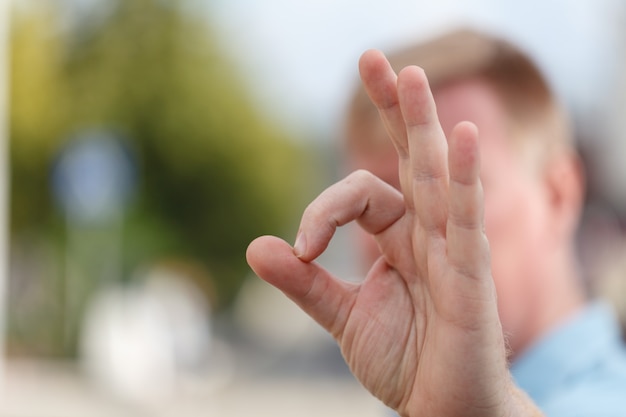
(213, 172)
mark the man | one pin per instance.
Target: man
(425, 331)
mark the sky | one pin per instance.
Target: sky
(300, 57)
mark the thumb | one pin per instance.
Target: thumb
(325, 298)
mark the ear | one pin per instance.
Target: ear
(565, 181)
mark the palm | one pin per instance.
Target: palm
(383, 324)
(421, 330)
(408, 322)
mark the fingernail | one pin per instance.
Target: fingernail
(300, 246)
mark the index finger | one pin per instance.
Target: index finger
(380, 83)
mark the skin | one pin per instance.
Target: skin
(531, 209)
(422, 331)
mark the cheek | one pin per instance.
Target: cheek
(514, 216)
(514, 224)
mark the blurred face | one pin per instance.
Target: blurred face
(380, 159)
(516, 200)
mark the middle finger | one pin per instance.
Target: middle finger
(428, 150)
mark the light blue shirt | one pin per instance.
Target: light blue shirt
(578, 370)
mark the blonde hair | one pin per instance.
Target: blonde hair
(528, 101)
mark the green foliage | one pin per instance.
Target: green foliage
(213, 173)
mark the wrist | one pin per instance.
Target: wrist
(519, 404)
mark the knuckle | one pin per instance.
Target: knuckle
(360, 176)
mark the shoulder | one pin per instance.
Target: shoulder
(579, 370)
(599, 392)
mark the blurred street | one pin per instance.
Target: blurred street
(265, 359)
(52, 389)
(49, 389)
(246, 381)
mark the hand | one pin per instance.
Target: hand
(421, 332)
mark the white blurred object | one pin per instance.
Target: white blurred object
(139, 343)
(274, 321)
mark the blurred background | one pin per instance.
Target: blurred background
(145, 143)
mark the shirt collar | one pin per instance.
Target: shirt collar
(571, 349)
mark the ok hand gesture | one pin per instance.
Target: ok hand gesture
(421, 331)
